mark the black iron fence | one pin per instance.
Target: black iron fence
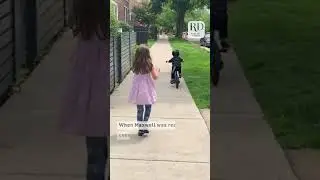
(142, 34)
(27, 27)
(121, 56)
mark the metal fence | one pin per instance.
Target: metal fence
(142, 34)
(27, 27)
(121, 57)
(6, 45)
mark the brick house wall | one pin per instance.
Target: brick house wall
(123, 10)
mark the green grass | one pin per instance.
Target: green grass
(196, 70)
(277, 42)
(151, 42)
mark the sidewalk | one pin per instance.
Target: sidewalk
(31, 146)
(244, 147)
(180, 154)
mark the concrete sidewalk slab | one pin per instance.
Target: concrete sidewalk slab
(189, 141)
(231, 101)
(243, 141)
(165, 108)
(39, 177)
(50, 161)
(305, 162)
(183, 153)
(34, 147)
(206, 116)
(159, 170)
(233, 94)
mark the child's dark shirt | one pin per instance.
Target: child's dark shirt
(176, 61)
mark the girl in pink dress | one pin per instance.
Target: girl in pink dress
(85, 104)
(143, 93)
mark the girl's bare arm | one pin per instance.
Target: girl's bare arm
(155, 73)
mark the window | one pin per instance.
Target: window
(126, 14)
(115, 9)
(130, 16)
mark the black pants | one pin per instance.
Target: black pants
(97, 151)
(177, 69)
(221, 24)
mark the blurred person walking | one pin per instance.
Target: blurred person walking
(220, 21)
(85, 110)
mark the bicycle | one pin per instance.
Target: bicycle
(216, 63)
(176, 75)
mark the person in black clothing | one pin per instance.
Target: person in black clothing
(176, 61)
(220, 21)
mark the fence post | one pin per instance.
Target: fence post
(119, 59)
(130, 54)
(133, 43)
(114, 62)
(31, 33)
(18, 11)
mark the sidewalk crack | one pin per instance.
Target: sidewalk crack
(162, 160)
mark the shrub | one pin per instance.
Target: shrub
(125, 27)
(114, 25)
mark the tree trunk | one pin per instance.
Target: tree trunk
(180, 23)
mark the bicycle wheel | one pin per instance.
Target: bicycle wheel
(177, 79)
(216, 76)
(217, 65)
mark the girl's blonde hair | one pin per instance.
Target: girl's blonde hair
(142, 63)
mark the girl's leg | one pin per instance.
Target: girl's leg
(140, 112)
(147, 112)
(147, 115)
(97, 152)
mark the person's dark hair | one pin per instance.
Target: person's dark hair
(142, 63)
(90, 17)
(175, 53)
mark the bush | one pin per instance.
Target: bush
(125, 27)
(114, 25)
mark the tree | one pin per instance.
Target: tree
(114, 24)
(181, 7)
(144, 14)
(156, 6)
(166, 19)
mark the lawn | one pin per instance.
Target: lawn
(277, 42)
(151, 42)
(196, 70)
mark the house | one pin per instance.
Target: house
(122, 9)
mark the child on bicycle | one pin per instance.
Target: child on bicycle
(176, 61)
(143, 91)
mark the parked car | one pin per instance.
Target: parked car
(205, 41)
